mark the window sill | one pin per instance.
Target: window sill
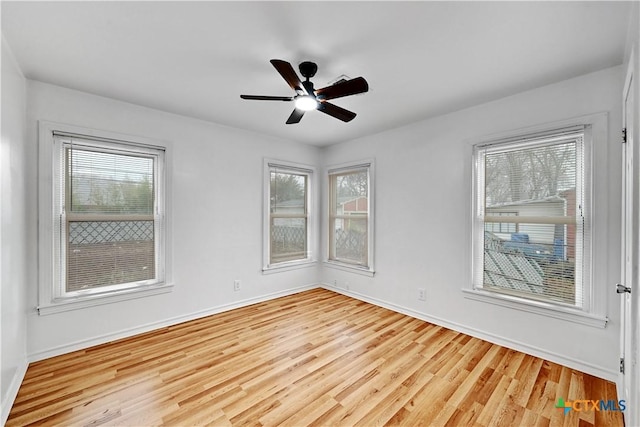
(62, 305)
(351, 268)
(288, 266)
(536, 307)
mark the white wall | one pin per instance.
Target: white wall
(426, 165)
(15, 270)
(216, 217)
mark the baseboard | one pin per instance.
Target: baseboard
(494, 339)
(12, 391)
(82, 344)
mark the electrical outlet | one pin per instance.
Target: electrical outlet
(335, 282)
(422, 294)
(346, 285)
(236, 285)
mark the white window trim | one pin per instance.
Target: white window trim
(311, 259)
(596, 294)
(369, 270)
(49, 300)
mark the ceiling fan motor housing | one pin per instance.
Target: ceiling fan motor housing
(308, 69)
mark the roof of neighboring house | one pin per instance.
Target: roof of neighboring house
(347, 199)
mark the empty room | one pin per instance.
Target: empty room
(320, 213)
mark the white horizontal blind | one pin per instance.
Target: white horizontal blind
(109, 210)
(288, 214)
(349, 216)
(530, 200)
(109, 183)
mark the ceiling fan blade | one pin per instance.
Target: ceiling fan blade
(349, 87)
(289, 74)
(337, 112)
(267, 98)
(295, 116)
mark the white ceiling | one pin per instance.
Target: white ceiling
(421, 59)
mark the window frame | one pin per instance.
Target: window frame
(343, 169)
(53, 296)
(299, 169)
(593, 312)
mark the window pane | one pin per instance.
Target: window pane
(104, 253)
(288, 239)
(351, 240)
(531, 225)
(351, 191)
(543, 271)
(529, 174)
(109, 183)
(288, 193)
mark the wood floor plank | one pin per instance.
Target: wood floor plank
(313, 358)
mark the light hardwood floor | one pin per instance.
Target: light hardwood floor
(314, 358)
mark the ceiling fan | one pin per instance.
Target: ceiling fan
(307, 98)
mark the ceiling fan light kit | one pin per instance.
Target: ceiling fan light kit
(307, 98)
(306, 102)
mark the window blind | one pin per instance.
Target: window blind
(531, 216)
(109, 223)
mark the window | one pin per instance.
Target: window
(287, 221)
(108, 219)
(108, 228)
(531, 219)
(350, 216)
